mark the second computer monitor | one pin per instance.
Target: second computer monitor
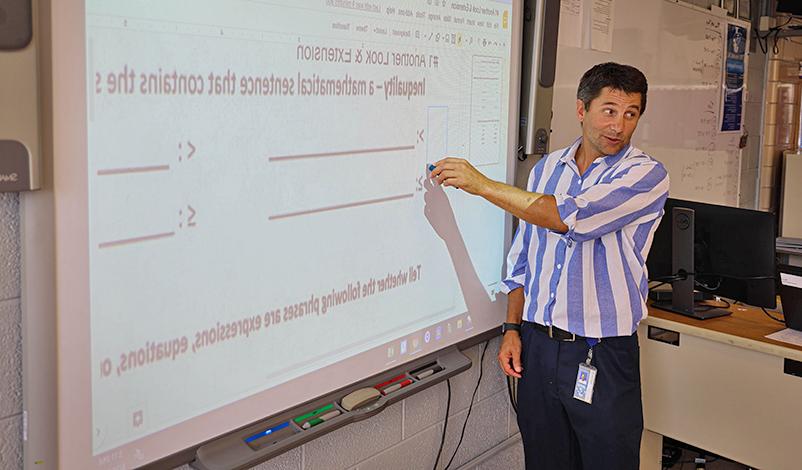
(734, 251)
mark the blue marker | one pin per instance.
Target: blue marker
(267, 432)
(431, 167)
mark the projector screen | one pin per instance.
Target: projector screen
(243, 216)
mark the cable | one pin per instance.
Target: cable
(763, 48)
(702, 284)
(445, 425)
(776, 49)
(680, 276)
(737, 278)
(763, 41)
(658, 285)
(772, 316)
(470, 407)
(788, 20)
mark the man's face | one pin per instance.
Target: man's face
(608, 124)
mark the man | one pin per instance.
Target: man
(577, 280)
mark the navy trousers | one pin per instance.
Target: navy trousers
(560, 432)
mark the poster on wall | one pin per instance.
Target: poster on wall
(570, 30)
(734, 69)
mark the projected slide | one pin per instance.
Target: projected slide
(257, 192)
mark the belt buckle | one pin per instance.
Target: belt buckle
(567, 340)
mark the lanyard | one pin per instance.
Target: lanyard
(591, 342)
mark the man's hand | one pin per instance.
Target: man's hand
(509, 354)
(457, 172)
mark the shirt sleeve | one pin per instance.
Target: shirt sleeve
(517, 257)
(633, 196)
(517, 262)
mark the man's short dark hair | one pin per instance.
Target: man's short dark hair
(616, 76)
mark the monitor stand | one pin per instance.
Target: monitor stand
(682, 296)
(705, 314)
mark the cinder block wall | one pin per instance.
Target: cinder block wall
(10, 335)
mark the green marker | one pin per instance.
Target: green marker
(313, 413)
(312, 422)
(315, 421)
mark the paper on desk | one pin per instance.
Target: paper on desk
(787, 336)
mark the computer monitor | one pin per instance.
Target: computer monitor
(725, 251)
(789, 6)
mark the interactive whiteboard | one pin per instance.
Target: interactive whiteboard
(243, 216)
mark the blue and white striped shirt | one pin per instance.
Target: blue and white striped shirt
(592, 280)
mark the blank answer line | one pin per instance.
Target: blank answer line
(340, 206)
(138, 169)
(129, 241)
(340, 154)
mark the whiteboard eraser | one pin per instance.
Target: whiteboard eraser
(360, 398)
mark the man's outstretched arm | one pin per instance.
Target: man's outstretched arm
(534, 208)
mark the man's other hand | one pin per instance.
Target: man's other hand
(459, 173)
(509, 354)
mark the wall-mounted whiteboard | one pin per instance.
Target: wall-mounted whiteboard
(681, 49)
(243, 216)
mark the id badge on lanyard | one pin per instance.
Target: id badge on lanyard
(586, 377)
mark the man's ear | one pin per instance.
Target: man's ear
(580, 111)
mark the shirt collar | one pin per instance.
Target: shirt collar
(568, 155)
(609, 160)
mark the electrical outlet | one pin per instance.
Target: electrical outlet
(765, 23)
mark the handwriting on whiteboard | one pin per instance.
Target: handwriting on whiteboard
(712, 167)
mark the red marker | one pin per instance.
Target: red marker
(397, 386)
(394, 379)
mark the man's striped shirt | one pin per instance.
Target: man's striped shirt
(592, 280)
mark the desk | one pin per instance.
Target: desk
(722, 389)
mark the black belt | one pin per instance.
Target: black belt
(555, 333)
